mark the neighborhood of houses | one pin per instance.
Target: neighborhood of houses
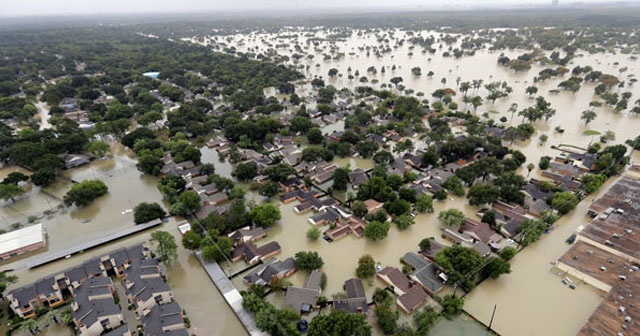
(96, 308)
(308, 188)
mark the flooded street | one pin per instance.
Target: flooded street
(68, 227)
(530, 301)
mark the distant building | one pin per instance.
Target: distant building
(22, 241)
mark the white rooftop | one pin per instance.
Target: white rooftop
(184, 228)
(20, 238)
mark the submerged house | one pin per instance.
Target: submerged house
(356, 300)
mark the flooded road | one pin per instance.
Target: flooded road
(69, 226)
(43, 115)
(530, 301)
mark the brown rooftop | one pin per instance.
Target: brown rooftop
(617, 214)
(619, 303)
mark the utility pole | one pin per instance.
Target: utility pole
(492, 315)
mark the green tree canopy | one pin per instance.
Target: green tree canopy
(366, 267)
(166, 247)
(85, 192)
(308, 261)
(451, 218)
(146, 212)
(265, 215)
(339, 322)
(376, 230)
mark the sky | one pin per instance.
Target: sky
(63, 7)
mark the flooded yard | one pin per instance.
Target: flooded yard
(530, 301)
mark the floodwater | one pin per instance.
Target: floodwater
(68, 227)
(531, 300)
(43, 115)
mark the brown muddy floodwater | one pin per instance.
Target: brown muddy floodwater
(531, 300)
(193, 290)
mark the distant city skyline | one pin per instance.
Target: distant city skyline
(84, 7)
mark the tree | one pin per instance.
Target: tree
(216, 248)
(511, 185)
(43, 177)
(366, 267)
(461, 264)
(544, 162)
(187, 203)
(454, 185)
(530, 167)
(531, 231)
(339, 322)
(376, 230)
(279, 172)
(139, 133)
(340, 179)
(494, 267)
(397, 207)
(6, 280)
(404, 221)
(314, 135)
(564, 201)
(333, 72)
(588, 116)
(191, 240)
(265, 215)
(383, 156)
(269, 189)
(85, 192)
(424, 203)
(589, 183)
(425, 320)
(166, 247)
(313, 233)
(99, 148)
(396, 80)
(149, 163)
(359, 208)
(451, 306)
(9, 191)
(507, 253)
(30, 325)
(308, 261)
(386, 319)
(246, 171)
(146, 212)
(451, 218)
(171, 186)
(483, 193)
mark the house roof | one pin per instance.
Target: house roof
(372, 205)
(164, 320)
(396, 278)
(481, 231)
(351, 305)
(415, 260)
(427, 277)
(314, 280)
(354, 288)
(119, 331)
(23, 295)
(413, 298)
(297, 297)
